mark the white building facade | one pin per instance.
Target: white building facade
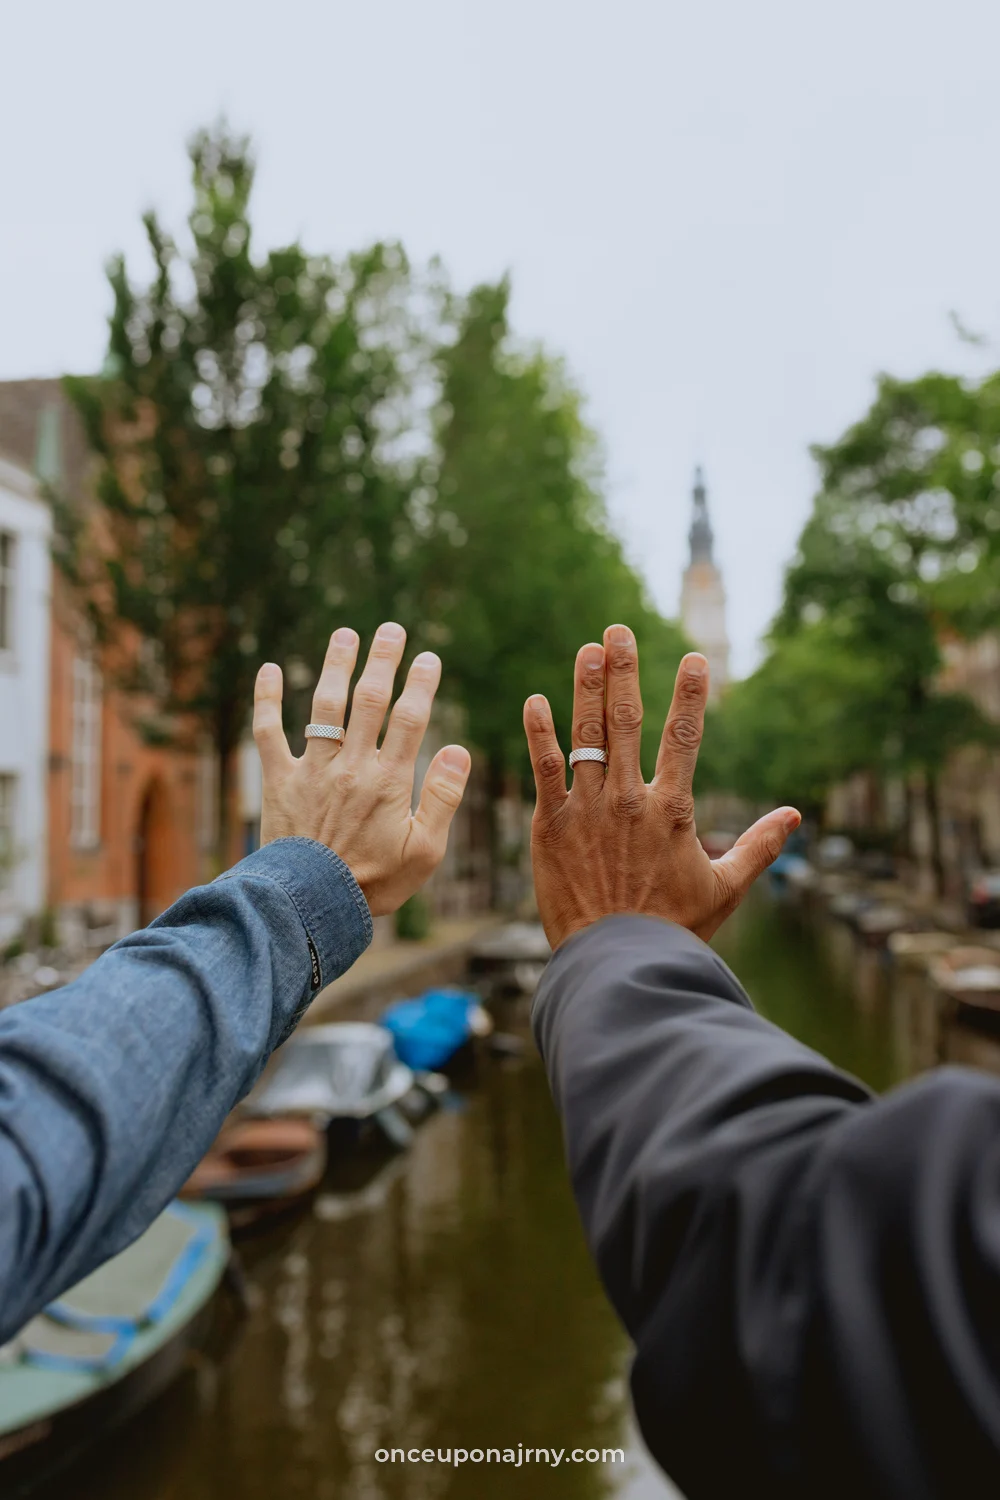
(25, 613)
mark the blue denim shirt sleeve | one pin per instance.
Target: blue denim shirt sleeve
(114, 1087)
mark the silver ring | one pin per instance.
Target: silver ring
(324, 732)
(589, 752)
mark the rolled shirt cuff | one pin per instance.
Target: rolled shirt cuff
(336, 922)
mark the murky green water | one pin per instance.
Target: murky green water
(444, 1298)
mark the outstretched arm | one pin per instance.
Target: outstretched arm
(112, 1088)
(810, 1276)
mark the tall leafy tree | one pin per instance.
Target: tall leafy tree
(520, 565)
(247, 421)
(896, 549)
(919, 475)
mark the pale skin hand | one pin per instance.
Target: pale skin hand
(614, 843)
(353, 796)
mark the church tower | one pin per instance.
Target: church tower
(703, 598)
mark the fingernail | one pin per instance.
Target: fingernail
(792, 818)
(427, 659)
(268, 669)
(594, 659)
(619, 635)
(390, 631)
(538, 703)
(456, 758)
(344, 636)
(695, 665)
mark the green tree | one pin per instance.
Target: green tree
(520, 565)
(895, 550)
(245, 421)
(919, 475)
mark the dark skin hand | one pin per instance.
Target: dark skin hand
(614, 843)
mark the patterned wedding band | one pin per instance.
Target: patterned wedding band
(324, 732)
(589, 752)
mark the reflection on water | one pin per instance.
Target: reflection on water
(447, 1301)
(444, 1298)
(814, 979)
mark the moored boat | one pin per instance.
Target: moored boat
(260, 1162)
(969, 977)
(429, 1030)
(878, 922)
(109, 1345)
(916, 949)
(346, 1070)
(511, 959)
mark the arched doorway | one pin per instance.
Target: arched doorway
(154, 853)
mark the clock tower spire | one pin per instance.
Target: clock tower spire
(703, 595)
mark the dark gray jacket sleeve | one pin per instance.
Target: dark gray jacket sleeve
(809, 1275)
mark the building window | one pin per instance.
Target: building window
(8, 559)
(8, 848)
(85, 791)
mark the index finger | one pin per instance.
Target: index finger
(682, 733)
(267, 728)
(546, 757)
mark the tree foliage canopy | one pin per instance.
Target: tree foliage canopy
(289, 442)
(902, 544)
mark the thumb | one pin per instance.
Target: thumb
(756, 849)
(441, 793)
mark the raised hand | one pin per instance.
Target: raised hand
(614, 843)
(353, 796)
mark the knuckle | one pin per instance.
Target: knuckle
(550, 765)
(770, 848)
(685, 732)
(690, 689)
(728, 892)
(588, 732)
(408, 717)
(369, 698)
(325, 703)
(627, 714)
(347, 778)
(621, 658)
(678, 808)
(448, 793)
(629, 802)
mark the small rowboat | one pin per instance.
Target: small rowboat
(916, 949)
(878, 923)
(109, 1345)
(511, 961)
(252, 1160)
(970, 977)
(343, 1071)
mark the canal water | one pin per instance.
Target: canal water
(443, 1298)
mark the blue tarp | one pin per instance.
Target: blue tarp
(429, 1030)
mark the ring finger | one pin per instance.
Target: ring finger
(329, 705)
(588, 716)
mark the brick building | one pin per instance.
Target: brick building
(130, 823)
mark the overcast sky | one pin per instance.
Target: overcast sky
(726, 216)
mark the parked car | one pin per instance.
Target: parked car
(984, 900)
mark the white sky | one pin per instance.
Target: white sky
(727, 216)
